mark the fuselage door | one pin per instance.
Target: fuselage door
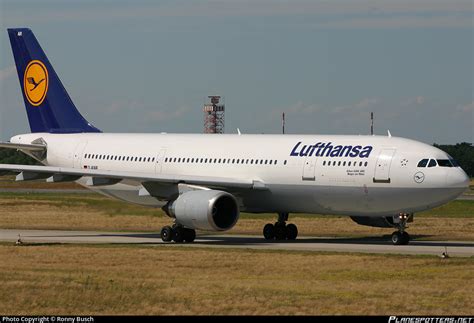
(309, 169)
(382, 167)
(160, 159)
(79, 154)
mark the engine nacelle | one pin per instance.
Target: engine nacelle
(205, 210)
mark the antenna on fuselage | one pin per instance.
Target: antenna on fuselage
(372, 123)
(283, 123)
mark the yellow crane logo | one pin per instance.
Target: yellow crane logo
(35, 82)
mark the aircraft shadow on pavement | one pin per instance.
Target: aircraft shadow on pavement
(249, 240)
(230, 240)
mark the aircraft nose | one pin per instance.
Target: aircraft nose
(458, 178)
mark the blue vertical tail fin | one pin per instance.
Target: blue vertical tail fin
(48, 105)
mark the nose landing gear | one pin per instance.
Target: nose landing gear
(401, 237)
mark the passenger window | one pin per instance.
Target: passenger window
(334, 163)
(339, 163)
(365, 164)
(423, 163)
(432, 163)
(360, 164)
(284, 163)
(275, 162)
(344, 164)
(349, 164)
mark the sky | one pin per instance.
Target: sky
(148, 66)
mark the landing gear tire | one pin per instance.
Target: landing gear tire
(269, 231)
(396, 238)
(291, 231)
(405, 238)
(189, 235)
(400, 238)
(178, 234)
(280, 231)
(166, 234)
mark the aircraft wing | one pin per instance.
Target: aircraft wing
(158, 185)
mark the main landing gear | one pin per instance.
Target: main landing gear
(177, 233)
(401, 237)
(280, 230)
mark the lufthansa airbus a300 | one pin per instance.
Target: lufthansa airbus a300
(203, 181)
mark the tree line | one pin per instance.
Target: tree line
(462, 152)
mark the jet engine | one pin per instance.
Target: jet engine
(205, 210)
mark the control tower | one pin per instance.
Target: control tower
(214, 115)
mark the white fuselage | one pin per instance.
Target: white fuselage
(378, 181)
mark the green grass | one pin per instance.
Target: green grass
(454, 209)
(90, 200)
(144, 280)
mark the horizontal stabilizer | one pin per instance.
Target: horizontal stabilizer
(29, 147)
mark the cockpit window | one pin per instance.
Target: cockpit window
(432, 163)
(444, 163)
(454, 162)
(423, 163)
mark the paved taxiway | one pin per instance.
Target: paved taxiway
(359, 245)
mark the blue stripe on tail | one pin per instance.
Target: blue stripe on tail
(48, 105)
